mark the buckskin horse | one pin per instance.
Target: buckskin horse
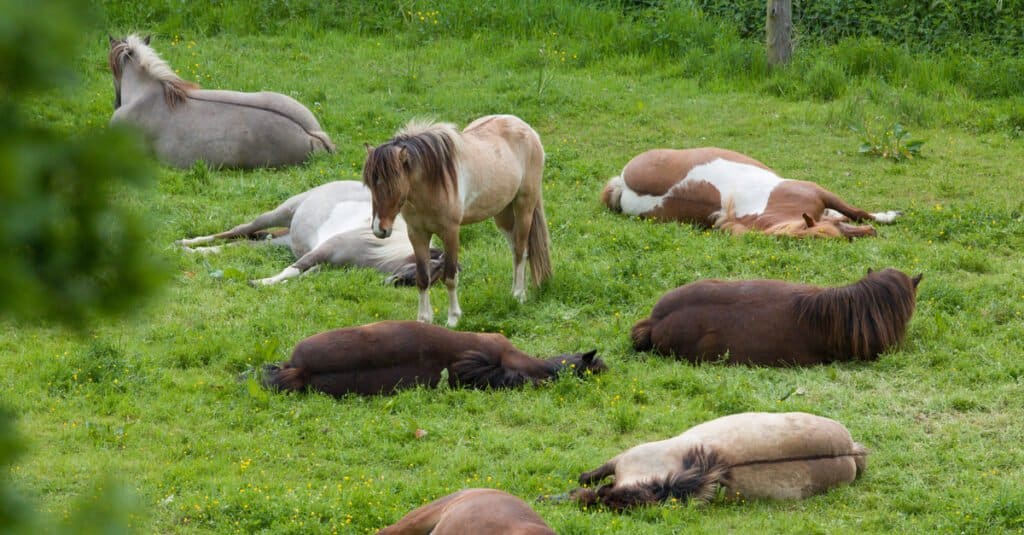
(439, 178)
(717, 188)
(389, 355)
(781, 456)
(472, 511)
(185, 124)
(777, 323)
(328, 224)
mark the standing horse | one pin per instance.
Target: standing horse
(781, 456)
(472, 511)
(185, 124)
(776, 323)
(718, 188)
(439, 179)
(328, 224)
(389, 355)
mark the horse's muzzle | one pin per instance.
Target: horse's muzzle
(382, 233)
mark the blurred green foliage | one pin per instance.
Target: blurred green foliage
(68, 243)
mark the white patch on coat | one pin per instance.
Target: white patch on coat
(887, 217)
(747, 185)
(345, 216)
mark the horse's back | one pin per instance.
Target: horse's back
(502, 160)
(490, 511)
(657, 171)
(277, 103)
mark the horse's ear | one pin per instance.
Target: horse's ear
(369, 148)
(588, 357)
(808, 220)
(147, 39)
(403, 156)
(870, 271)
(917, 280)
(111, 40)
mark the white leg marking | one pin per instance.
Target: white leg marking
(832, 213)
(185, 242)
(426, 314)
(283, 276)
(887, 217)
(201, 250)
(454, 310)
(519, 280)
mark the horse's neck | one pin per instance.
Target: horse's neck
(136, 85)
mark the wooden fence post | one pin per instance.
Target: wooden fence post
(779, 31)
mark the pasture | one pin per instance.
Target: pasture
(151, 403)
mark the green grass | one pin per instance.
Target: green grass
(152, 401)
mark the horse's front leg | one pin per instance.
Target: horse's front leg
(450, 238)
(420, 241)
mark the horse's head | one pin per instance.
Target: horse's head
(579, 364)
(385, 173)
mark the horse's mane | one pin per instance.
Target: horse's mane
(864, 318)
(426, 145)
(135, 47)
(477, 369)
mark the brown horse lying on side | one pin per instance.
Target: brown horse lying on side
(389, 355)
(472, 511)
(776, 323)
(786, 456)
(712, 187)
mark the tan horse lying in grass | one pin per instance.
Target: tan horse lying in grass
(777, 323)
(787, 456)
(711, 187)
(185, 124)
(470, 511)
(382, 357)
(439, 179)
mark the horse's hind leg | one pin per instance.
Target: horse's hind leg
(510, 221)
(278, 217)
(834, 202)
(597, 474)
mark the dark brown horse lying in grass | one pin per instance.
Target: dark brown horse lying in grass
(471, 511)
(776, 323)
(781, 456)
(389, 355)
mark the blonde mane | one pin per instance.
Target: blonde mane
(135, 48)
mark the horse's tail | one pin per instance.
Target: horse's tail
(641, 335)
(611, 196)
(538, 246)
(701, 472)
(279, 378)
(324, 139)
(860, 457)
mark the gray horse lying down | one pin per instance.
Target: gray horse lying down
(329, 224)
(184, 124)
(783, 456)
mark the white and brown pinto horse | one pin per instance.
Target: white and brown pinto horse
(328, 224)
(777, 323)
(184, 124)
(753, 455)
(439, 179)
(718, 188)
(382, 357)
(472, 511)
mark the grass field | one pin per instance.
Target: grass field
(151, 402)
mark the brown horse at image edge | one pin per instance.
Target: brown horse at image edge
(777, 323)
(389, 355)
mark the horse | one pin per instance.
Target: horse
(185, 124)
(327, 225)
(753, 455)
(717, 188)
(439, 179)
(472, 511)
(382, 357)
(777, 323)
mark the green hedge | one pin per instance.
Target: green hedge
(934, 25)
